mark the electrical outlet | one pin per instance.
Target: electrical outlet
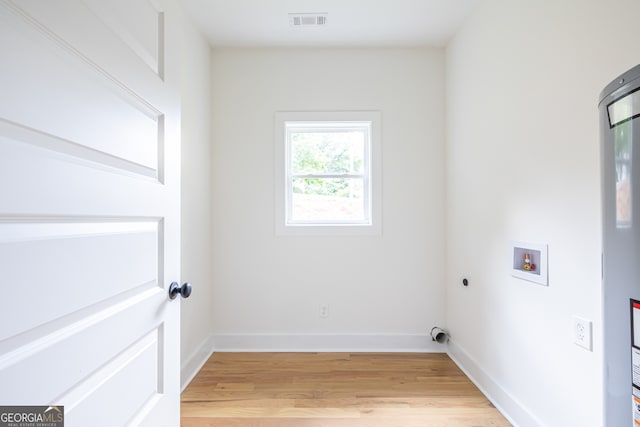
(324, 310)
(582, 332)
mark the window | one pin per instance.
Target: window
(327, 173)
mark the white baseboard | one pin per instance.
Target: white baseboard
(327, 342)
(515, 412)
(192, 366)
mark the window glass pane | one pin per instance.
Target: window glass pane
(330, 152)
(327, 199)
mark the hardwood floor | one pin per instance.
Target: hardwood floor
(335, 390)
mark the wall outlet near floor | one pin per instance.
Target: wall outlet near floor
(324, 310)
(582, 335)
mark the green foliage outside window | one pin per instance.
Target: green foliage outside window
(327, 153)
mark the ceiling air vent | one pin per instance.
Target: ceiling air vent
(307, 19)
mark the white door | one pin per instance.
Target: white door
(89, 209)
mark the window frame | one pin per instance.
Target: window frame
(285, 122)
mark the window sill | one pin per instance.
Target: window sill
(328, 230)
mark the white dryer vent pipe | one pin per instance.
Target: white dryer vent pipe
(439, 335)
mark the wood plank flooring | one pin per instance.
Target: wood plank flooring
(335, 390)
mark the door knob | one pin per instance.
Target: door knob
(175, 289)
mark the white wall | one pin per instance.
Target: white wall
(384, 292)
(523, 80)
(196, 201)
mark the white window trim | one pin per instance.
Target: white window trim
(373, 225)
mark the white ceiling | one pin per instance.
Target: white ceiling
(353, 23)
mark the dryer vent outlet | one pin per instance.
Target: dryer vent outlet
(439, 335)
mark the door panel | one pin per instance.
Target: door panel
(62, 93)
(133, 363)
(79, 348)
(89, 209)
(101, 30)
(83, 264)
